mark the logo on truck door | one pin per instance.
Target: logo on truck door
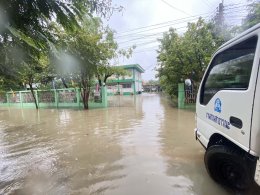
(216, 119)
(217, 106)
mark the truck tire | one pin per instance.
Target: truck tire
(229, 167)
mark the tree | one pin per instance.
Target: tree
(153, 82)
(199, 46)
(30, 18)
(104, 72)
(253, 16)
(169, 59)
(85, 48)
(34, 71)
(25, 32)
(82, 53)
(186, 56)
(9, 58)
(110, 51)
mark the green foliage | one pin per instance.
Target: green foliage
(253, 16)
(34, 70)
(86, 53)
(153, 82)
(104, 72)
(32, 32)
(185, 56)
(29, 19)
(109, 51)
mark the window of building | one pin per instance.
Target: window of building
(127, 85)
(229, 70)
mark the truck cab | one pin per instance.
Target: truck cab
(228, 112)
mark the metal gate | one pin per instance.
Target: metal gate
(190, 95)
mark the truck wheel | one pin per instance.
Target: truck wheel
(228, 167)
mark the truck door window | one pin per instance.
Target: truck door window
(229, 70)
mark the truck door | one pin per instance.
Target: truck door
(227, 93)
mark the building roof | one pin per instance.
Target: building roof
(135, 66)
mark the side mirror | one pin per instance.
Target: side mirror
(187, 82)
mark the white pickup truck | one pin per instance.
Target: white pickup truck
(228, 112)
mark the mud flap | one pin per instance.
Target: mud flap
(257, 172)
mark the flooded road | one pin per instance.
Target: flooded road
(137, 146)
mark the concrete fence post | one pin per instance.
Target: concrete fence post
(56, 98)
(37, 98)
(78, 97)
(21, 98)
(7, 99)
(104, 96)
(181, 95)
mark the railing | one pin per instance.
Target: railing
(59, 98)
(3, 97)
(190, 96)
(186, 97)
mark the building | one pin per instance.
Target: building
(126, 85)
(151, 87)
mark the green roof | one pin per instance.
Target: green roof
(135, 66)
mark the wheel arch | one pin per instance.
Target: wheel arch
(218, 139)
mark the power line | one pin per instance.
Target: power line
(149, 36)
(134, 29)
(235, 4)
(144, 51)
(154, 37)
(141, 44)
(238, 7)
(145, 36)
(206, 3)
(125, 33)
(175, 7)
(148, 48)
(153, 40)
(151, 67)
(155, 29)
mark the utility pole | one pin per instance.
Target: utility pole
(221, 13)
(219, 18)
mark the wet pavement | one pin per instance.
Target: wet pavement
(136, 146)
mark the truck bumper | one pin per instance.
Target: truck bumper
(200, 138)
(257, 172)
(195, 133)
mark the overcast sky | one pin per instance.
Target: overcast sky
(142, 22)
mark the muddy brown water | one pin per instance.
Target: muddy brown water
(139, 145)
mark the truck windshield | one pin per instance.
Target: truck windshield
(229, 70)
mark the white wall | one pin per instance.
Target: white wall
(127, 90)
(138, 86)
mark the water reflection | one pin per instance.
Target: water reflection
(139, 145)
(62, 151)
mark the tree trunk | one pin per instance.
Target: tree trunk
(85, 93)
(86, 99)
(106, 77)
(34, 98)
(99, 80)
(64, 82)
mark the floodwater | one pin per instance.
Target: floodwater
(139, 145)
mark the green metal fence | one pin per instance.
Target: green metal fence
(54, 98)
(186, 98)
